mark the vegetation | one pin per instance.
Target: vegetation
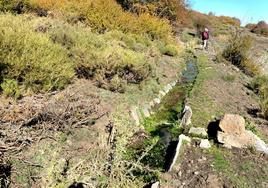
(237, 53)
(260, 86)
(45, 57)
(30, 58)
(107, 15)
(172, 10)
(260, 28)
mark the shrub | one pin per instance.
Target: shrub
(31, 58)
(170, 50)
(173, 10)
(10, 88)
(200, 22)
(250, 26)
(237, 53)
(230, 20)
(261, 28)
(112, 59)
(107, 15)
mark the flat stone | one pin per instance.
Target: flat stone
(240, 141)
(198, 131)
(205, 144)
(233, 124)
(156, 185)
(182, 138)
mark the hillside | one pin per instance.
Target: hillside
(94, 93)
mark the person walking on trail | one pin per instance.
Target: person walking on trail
(205, 37)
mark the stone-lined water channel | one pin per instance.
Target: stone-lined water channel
(163, 126)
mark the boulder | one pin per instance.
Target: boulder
(233, 124)
(155, 185)
(198, 131)
(234, 134)
(205, 144)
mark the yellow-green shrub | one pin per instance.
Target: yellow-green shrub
(106, 15)
(10, 88)
(31, 58)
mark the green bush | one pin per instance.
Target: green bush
(32, 58)
(10, 88)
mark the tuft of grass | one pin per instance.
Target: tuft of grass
(11, 88)
(228, 78)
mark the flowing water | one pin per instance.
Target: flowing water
(164, 124)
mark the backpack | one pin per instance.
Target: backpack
(205, 35)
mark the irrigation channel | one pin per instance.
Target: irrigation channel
(163, 127)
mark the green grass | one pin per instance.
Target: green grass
(200, 101)
(228, 78)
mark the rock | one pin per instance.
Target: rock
(134, 114)
(233, 124)
(167, 88)
(151, 104)
(156, 185)
(196, 173)
(173, 84)
(198, 131)
(157, 100)
(260, 145)
(146, 112)
(182, 139)
(162, 93)
(205, 144)
(187, 115)
(240, 141)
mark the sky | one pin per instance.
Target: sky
(248, 11)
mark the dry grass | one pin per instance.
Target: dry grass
(237, 53)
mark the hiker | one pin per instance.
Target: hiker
(205, 37)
